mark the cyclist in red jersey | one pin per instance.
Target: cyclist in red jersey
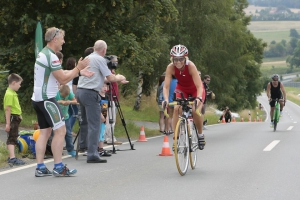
(189, 83)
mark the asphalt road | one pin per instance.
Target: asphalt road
(244, 160)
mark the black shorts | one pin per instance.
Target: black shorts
(48, 114)
(13, 133)
(272, 102)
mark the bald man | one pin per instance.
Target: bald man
(88, 96)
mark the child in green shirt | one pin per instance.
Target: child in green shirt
(64, 98)
(13, 116)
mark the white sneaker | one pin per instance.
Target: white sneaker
(271, 125)
(281, 113)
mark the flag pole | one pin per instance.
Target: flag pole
(38, 44)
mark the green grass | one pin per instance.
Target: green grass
(274, 59)
(270, 36)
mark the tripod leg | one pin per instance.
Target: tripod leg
(77, 146)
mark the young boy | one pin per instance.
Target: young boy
(64, 98)
(13, 116)
(104, 107)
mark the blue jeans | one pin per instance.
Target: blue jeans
(73, 110)
(68, 136)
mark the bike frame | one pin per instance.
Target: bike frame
(276, 114)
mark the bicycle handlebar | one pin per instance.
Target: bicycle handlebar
(180, 103)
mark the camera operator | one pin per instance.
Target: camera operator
(88, 96)
(113, 94)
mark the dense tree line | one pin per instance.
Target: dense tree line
(280, 13)
(141, 33)
(275, 3)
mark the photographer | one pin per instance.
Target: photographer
(88, 96)
(113, 94)
(226, 114)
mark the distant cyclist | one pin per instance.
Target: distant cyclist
(275, 89)
(189, 83)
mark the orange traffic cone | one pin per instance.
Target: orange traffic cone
(166, 148)
(233, 119)
(223, 119)
(249, 119)
(242, 119)
(254, 120)
(260, 120)
(142, 137)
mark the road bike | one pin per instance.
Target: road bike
(185, 136)
(276, 115)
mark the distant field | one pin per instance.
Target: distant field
(251, 9)
(277, 36)
(270, 31)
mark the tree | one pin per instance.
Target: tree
(294, 60)
(294, 33)
(130, 28)
(220, 45)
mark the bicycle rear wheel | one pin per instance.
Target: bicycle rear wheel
(193, 145)
(181, 147)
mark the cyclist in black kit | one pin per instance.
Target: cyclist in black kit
(275, 90)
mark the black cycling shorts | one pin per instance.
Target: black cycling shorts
(48, 114)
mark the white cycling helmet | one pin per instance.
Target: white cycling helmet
(179, 50)
(275, 76)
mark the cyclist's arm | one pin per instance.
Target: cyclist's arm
(168, 78)
(268, 90)
(196, 78)
(283, 91)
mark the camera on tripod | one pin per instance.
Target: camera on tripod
(111, 65)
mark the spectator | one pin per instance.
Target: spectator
(159, 99)
(48, 72)
(65, 98)
(207, 93)
(83, 136)
(73, 108)
(104, 106)
(226, 114)
(170, 109)
(13, 116)
(87, 95)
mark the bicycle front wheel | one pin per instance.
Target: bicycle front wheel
(275, 124)
(193, 145)
(181, 147)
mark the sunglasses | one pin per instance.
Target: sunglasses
(178, 59)
(275, 79)
(208, 80)
(57, 30)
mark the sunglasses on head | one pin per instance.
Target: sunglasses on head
(178, 59)
(57, 30)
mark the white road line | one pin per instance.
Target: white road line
(271, 145)
(290, 128)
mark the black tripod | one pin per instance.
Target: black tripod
(79, 118)
(111, 119)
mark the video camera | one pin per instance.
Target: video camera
(111, 65)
